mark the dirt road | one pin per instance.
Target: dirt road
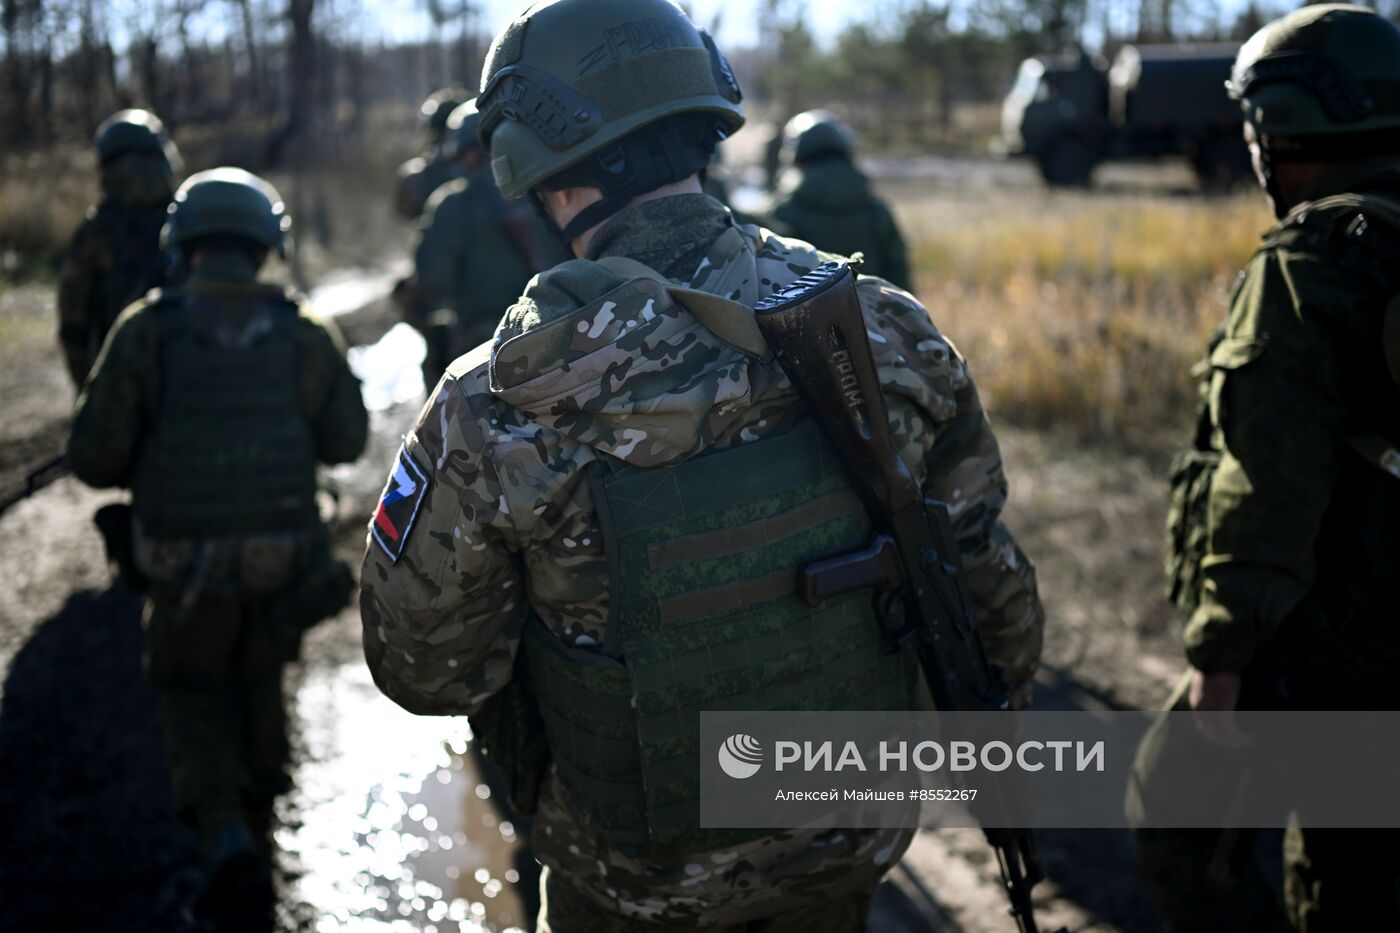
(389, 823)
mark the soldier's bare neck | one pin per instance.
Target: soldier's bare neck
(568, 203)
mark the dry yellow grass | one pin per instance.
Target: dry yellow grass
(42, 199)
(1086, 313)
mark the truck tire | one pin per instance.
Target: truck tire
(1221, 162)
(1068, 163)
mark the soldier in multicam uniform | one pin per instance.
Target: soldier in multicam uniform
(213, 401)
(1285, 531)
(114, 257)
(423, 174)
(826, 201)
(474, 254)
(579, 541)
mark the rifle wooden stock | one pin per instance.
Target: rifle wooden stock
(817, 333)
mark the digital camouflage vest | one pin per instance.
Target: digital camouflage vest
(230, 450)
(703, 559)
(1192, 470)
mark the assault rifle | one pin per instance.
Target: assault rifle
(817, 333)
(36, 479)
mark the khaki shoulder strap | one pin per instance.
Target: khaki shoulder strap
(1386, 211)
(728, 320)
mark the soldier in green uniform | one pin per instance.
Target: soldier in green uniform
(213, 400)
(1285, 530)
(582, 526)
(474, 254)
(423, 174)
(114, 257)
(825, 200)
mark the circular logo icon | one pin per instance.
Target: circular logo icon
(740, 756)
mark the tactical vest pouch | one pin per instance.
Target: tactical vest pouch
(230, 451)
(1188, 526)
(704, 559)
(511, 736)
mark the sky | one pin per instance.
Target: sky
(738, 23)
(734, 22)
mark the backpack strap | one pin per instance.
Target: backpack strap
(1385, 211)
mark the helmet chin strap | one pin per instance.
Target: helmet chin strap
(1272, 187)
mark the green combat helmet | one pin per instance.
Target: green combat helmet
(816, 134)
(462, 127)
(438, 108)
(568, 84)
(1320, 84)
(227, 202)
(135, 131)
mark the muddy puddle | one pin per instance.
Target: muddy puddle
(390, 370)
(395, 828)
(345, 291)
(391, 826)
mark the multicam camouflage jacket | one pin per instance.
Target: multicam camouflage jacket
(487, 519)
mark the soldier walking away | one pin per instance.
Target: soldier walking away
(114, 257)
(213, 401)
(475, 253)
(510, 573)
(423, 174)
(1285, 528)
(826, 201)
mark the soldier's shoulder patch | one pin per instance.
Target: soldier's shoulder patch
(398, 505)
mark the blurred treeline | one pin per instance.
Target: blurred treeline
(248, 80)
(259, 76)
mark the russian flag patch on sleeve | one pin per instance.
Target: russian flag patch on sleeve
(398, 505)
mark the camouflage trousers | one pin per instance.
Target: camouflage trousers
(567, 910)
(1209, 880)
(216, 667)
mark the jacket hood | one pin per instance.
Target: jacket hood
(636, 366)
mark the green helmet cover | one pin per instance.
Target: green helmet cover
(135, 131)
(437, 109)
(462, 127)
(1324, 70)
(569, 78)
(227, 201)
(817, 133)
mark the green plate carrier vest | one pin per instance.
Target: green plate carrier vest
(230, 452)
(703, 562)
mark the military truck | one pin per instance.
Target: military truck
(1071, 112)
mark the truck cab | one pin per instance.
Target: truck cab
(1070, 112)
(1057, 114)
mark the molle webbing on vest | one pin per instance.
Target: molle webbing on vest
(230, 451)
(704, 559)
